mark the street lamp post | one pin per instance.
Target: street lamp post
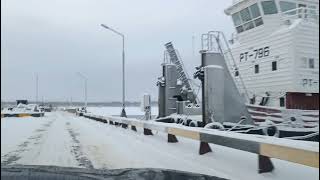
(37, 88)
(85, 88)
(123, 111)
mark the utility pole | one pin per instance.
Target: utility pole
(85, 88)
(123, 112)
(37, 86)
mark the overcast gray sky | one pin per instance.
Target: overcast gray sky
(57, 38)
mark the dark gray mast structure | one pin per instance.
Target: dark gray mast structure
(186, 91)
(221, 100)
(175, 90)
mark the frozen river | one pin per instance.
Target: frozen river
(63, 139)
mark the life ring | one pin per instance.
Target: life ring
(193, 124)
(293, 119)
(178, 120)
(270, 129)
(214, 125)
(186, 122)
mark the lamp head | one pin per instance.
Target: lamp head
(105, 26)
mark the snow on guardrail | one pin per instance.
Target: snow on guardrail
(301, 152)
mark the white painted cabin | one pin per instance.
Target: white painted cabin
(276, 52)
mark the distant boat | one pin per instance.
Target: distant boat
(22, 109)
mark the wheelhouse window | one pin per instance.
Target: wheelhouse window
(245, 15)
(287, 6)
(258, 22)
(248, 26)
(255, 11)
(313, 12)
(247, 18)
(302, 11)
(236, 19)
(269, 7)
(239, 29)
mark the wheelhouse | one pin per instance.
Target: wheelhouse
(247, 15)
(276, 51)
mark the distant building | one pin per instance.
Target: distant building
(22, 102)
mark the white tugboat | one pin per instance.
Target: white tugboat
(276, 59)
(23, 109)
(263, 81)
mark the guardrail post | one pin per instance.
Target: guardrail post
(147, 131)
(265, 164)
(256, 145)
(125, 126)
(172, 138)
(204, 148)
(133, 128)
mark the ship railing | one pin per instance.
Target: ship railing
(215, 41)
(304, 13)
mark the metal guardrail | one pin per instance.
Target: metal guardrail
(265, 147)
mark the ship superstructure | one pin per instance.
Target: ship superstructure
(262, 81)
(276, 58)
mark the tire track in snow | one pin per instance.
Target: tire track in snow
(77, 149)
(14, 156)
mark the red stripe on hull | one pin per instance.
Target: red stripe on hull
(264, 109)
(310, 115)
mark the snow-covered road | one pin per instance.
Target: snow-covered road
(63, 139)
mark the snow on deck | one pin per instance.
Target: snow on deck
(63, 139)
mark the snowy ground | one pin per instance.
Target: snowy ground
(63, 139)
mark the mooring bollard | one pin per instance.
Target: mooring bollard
(147, 131)
(133, 128)
(125, 126)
